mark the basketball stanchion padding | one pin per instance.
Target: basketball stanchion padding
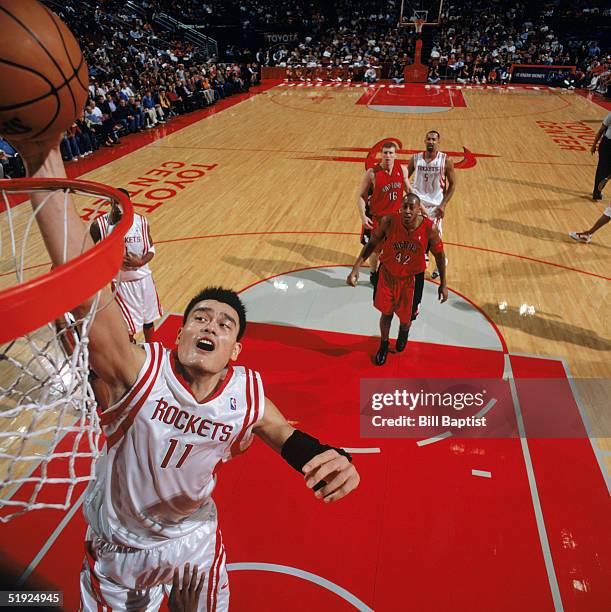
(49, 424)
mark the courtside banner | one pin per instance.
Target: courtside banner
(433, 409)
(540, 74)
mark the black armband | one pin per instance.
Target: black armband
(300, 447)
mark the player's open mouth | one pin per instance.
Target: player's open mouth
(205, 345)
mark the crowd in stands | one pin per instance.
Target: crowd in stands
(476, 41)
(139, 78)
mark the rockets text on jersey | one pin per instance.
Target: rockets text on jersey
(163, 446)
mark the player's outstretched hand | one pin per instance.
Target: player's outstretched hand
(353, 277)
(367, 223)
(438, 212)
(593, 148)
(186, 599)
(442, 292)
(338, 473)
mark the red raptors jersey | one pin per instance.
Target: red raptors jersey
(404, 251)
(388, 190)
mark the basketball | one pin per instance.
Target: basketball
(43, 75)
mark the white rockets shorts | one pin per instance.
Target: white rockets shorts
(122, 578)
(139, 302)
(430, 210)
(607, 211)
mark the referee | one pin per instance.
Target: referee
(603, 142)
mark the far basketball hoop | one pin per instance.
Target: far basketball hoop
(428, 12)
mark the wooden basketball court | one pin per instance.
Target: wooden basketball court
(264, 186)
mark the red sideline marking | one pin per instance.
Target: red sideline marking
(573, 495)
(594, 98)
(132, 143)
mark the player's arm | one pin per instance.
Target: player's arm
(411, 167)
(406, 186)
(436, 247)
(377, 237)
(361, 201)
(94, 232)
(326, 469)
(114, 358)
(450, 185)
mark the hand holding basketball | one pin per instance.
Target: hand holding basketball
(43, 76)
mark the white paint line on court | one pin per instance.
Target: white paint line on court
(534, 493)
(486, 408)
(443, 436)
(293, 571)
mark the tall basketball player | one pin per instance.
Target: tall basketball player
(174, 417)
(405, 235)
(435, 180)
(136, 293)
(387, 181)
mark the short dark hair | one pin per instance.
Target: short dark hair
(434, 132)
(389, 145)
(225, 296)
(123, 191)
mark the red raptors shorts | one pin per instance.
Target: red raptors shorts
(401, 296)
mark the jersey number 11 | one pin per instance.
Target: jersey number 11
(168, 455)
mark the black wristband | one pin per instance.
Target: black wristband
(300, 447)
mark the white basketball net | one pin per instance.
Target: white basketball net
(49, 425)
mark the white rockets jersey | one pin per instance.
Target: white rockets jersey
(429, 181)
(156, 479)
(136, 242)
